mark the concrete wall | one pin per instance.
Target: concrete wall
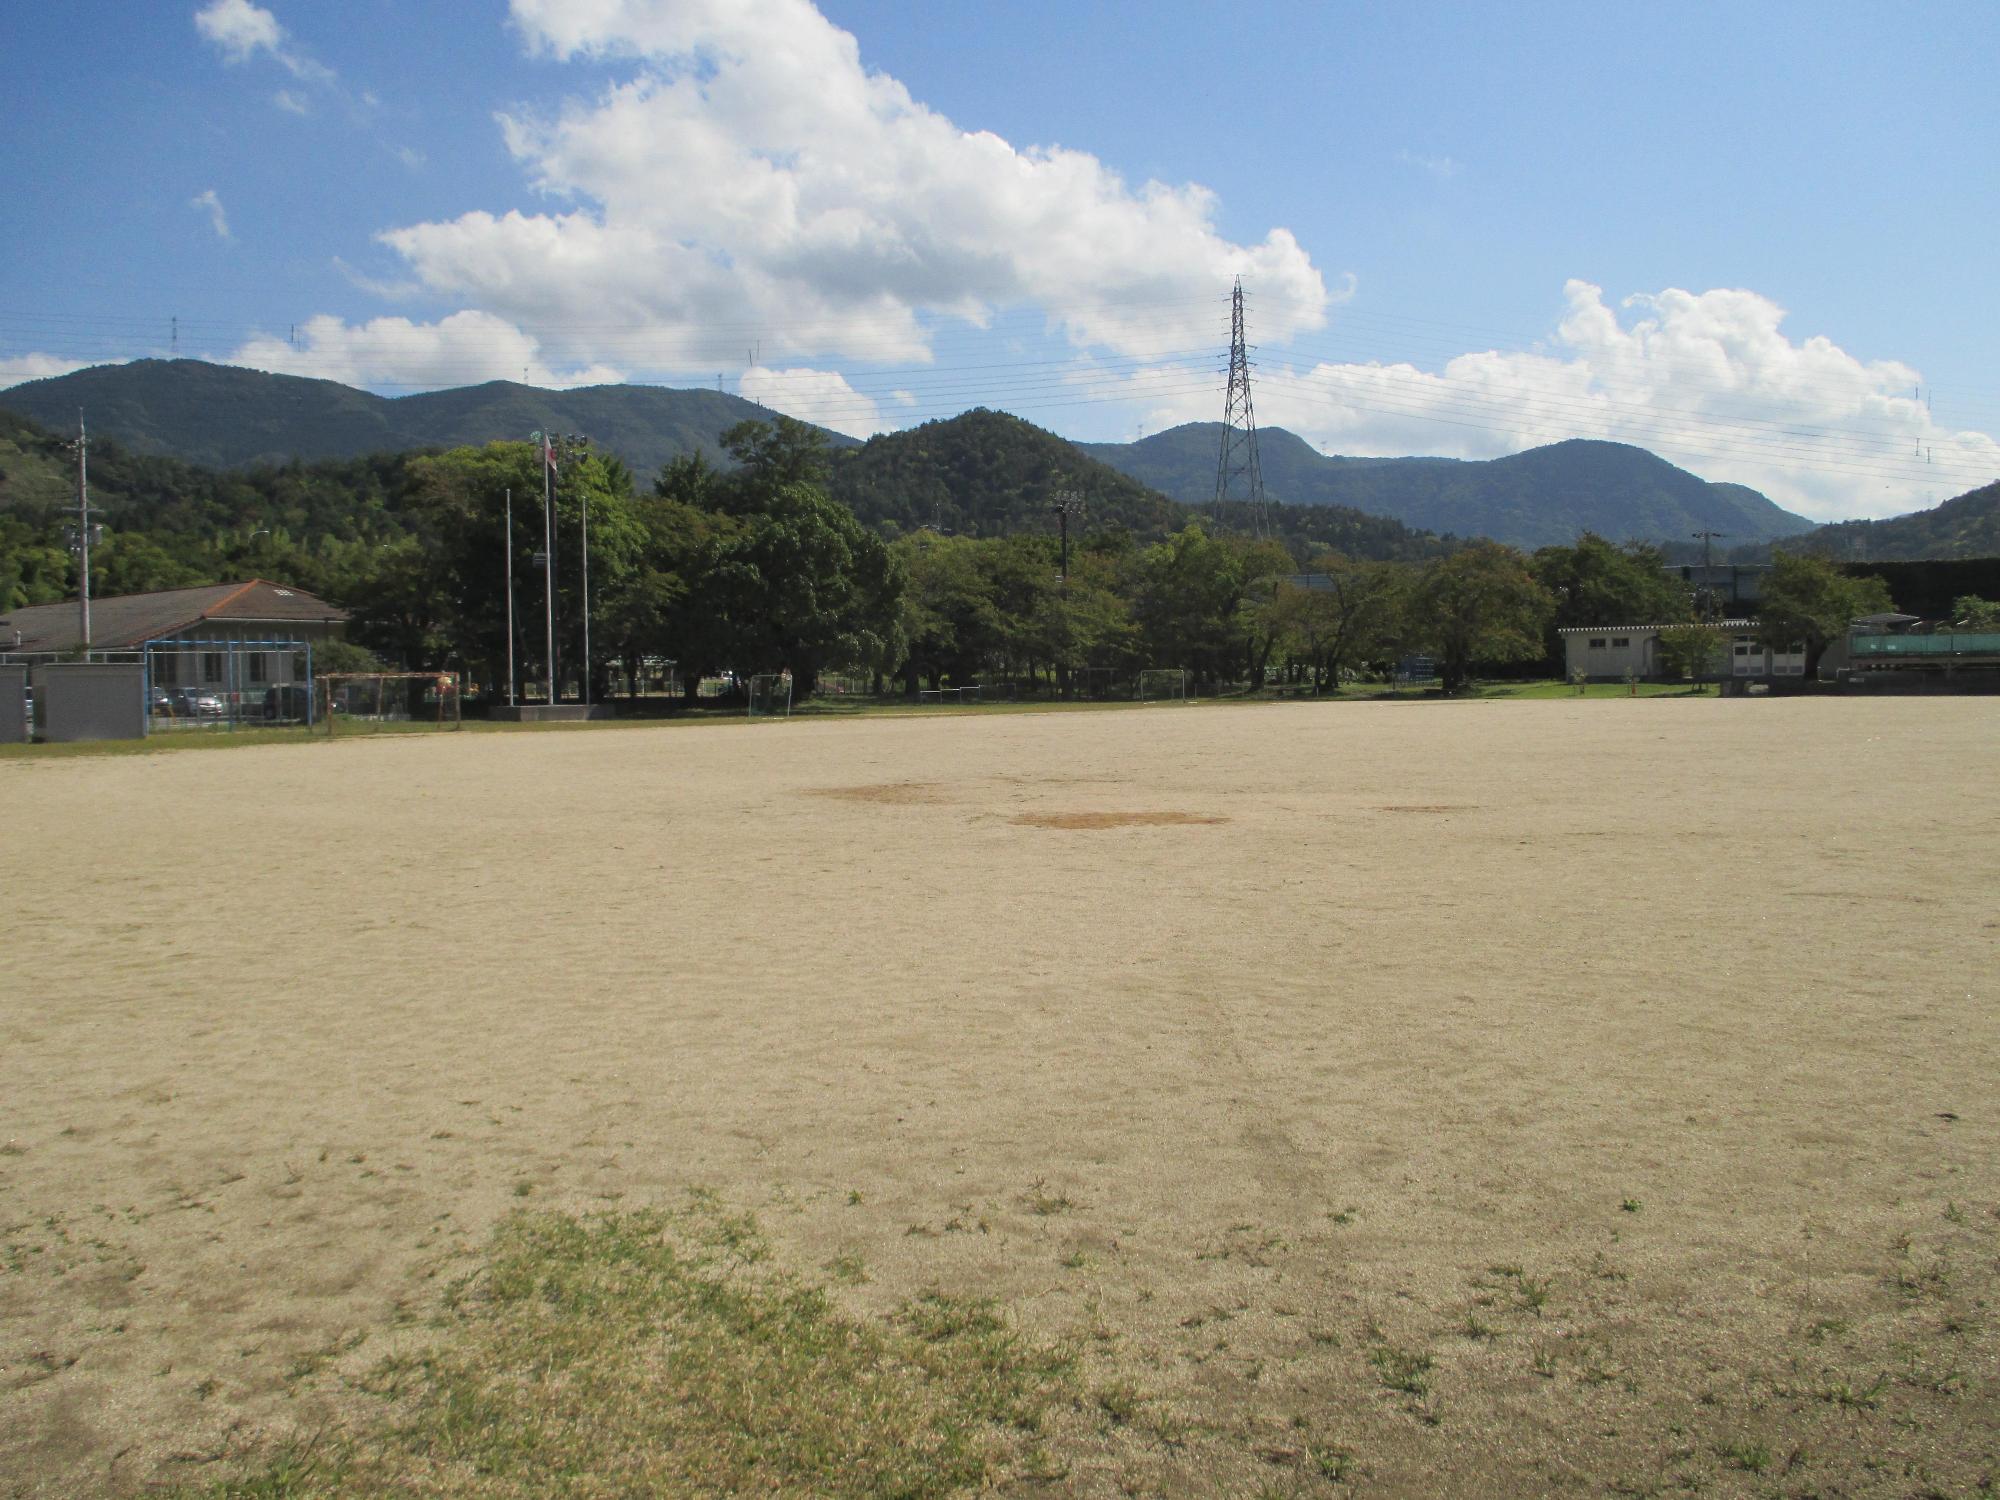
(14, 726)
(1610, 654)
(91, 701)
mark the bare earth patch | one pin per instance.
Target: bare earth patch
(897, 792)
(1585, 1146)
(1111, 819)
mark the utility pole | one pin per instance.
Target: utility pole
(82, 532)
(1238, 474)
(1708, 540)
(510, 598)
(1065, 503)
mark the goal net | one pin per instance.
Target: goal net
(1162, 685)
(770, 695)
(973, 694)
(353, 700)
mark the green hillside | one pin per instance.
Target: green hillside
(987, 473)
(1543, 497)
(1963, 527)
(225, 418)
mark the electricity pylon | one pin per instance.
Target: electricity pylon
(1238, 475)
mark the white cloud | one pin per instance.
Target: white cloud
(1708, 380)
(819, 396)
(463, 349)
(292, 103)
(15, 369)
(241, 30)
(750, 178)
(1438, 166)
(210, 204)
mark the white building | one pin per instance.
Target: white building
(1612, 653)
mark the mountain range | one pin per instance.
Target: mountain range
(1538, 498)
(226, 417)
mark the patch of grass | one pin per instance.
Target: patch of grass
(847, 1270)
(656, 1352)
(1843, 1393)
(1631, 1205)
(1405, 1370)
(1751, 1458)
(1046, 1204)
(1119, 1401)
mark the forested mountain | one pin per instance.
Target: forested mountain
(1543, 497)
(1967, 526)
(986, 473)
(226, 417)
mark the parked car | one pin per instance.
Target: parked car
(162, 703)
(289, 700)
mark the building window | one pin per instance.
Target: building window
(256, 661)
(1621, 641)
(1597, 643)
(211, 666)
(166, 668)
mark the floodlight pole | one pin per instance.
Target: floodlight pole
(548, 561)
(1066, 503)
(576, 445)
(82, 446)
(510, 598)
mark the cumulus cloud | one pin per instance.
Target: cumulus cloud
(750, 177)
(1708, 380)
(17, 368)
(463, 349)
(241, 30)
(209, 203)
(819, 396)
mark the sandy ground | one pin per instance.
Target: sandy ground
(1633, 1061)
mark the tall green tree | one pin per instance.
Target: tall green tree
(1482, 604)
(1595, 583)
(1353, 614)
(1185, 600)
(1807, 601)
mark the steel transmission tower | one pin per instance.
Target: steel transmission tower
(1238, 475)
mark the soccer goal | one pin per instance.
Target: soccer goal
(961, 695)
(1162, 685)
(428, 700)
(770, 695)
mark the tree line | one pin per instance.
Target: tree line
(758, 567)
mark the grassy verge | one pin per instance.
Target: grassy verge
(659, 1353)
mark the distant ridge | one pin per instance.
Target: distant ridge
(1965, 526)
(223, 417)
(1539, 498)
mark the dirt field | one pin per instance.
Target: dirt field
(1396, 1099)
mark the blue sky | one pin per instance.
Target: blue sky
(1752, 239)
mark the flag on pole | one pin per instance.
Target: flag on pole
(549, 455)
